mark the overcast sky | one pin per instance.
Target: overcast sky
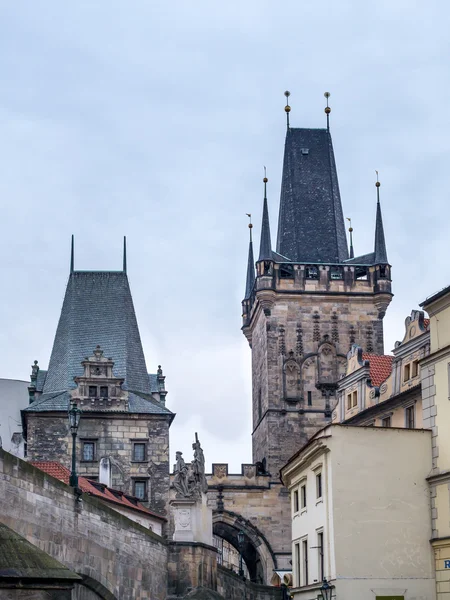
(154, 119)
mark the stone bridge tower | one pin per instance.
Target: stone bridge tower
(308, 301)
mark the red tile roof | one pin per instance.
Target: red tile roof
(380, 366)
(58, 471)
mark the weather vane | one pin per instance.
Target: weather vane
(287, 108)
(327, 110)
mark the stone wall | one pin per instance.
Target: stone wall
(191, 565)
(116, 557)
(35, 595)
(48, 439)
(232, 587)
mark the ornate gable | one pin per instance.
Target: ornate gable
(98, 388)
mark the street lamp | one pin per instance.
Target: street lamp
(74, 421)
(325, 590)
(241, 538)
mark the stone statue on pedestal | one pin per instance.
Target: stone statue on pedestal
(181, 479)
(198, 467)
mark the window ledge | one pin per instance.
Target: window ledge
(95, 460)
(139, 462)
(304, 510)
(319, 500)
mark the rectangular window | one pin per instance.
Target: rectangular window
(309, 398)
(88, 451)
(349, 401)
(386, 422)
(296, 501)
(297, 565)
(139, 452)
(415, 368)
(303, 496)
(410, 417)
(140, 489)
(103, 391)
(354, 399)
(320, 551)
(407, 373)
(319, 485)
(92, 391)
(305, 561)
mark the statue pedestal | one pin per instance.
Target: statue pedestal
(193, 520)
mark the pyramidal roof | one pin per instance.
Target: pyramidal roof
(311, 224)
(97, 310)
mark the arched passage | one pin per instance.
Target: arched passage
(256, 551)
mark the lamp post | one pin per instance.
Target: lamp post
(74, 421)
(325, 590)
(241, 546)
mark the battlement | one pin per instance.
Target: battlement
(302, 278)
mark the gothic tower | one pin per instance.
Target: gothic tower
(309, 301)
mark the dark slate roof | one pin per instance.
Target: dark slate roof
(265, 247)
(365, 259)
(19, 559)
(250, 281)
(153, 382)
(311, 224)
(97, 309)
(137, 403)
(380, 244)
(40, 380)
(435, 297)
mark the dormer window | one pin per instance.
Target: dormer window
(312, 273)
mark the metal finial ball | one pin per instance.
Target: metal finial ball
(378, 184)
(327, 110)
(250, 226)
(287, 108)
(265, 180)
(350, 229)
(327, 94)
(287, 93)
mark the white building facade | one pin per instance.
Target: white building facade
(361, 514)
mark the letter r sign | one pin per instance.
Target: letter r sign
(446, 564)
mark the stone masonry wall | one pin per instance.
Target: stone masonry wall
(298, 326)
(49, 439)
(191, 565)
(88, 537)
(232, 587)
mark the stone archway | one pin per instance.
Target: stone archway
(256, 551)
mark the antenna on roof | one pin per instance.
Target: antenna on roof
(72, 256)
(378, 188)
(124, 253)
(350, 229)
(287, 109)
(327, 110)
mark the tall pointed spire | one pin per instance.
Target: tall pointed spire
(250, 265)
(265, 248)
(72, 258)
(380, 253)
(124, 253)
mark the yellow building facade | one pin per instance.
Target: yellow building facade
(435, 371)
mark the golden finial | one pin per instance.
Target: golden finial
(250, 226)
(287, 108)
(327, 109)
